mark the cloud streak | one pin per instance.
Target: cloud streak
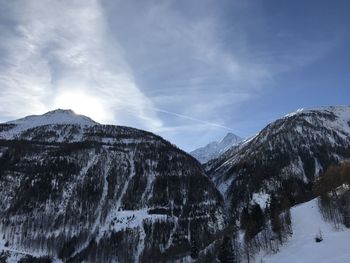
(64, 52)
(207, 123)
(189, 70)
(59, 50)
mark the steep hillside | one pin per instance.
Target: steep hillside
(284, 158)
(307, 224)
(81, 191)
(286, 164)
(215, 149)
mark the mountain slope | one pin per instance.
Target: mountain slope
(214, 149)
(307, 223)
(81, 191)
(285, 157)
(264, 176)
(11, 129)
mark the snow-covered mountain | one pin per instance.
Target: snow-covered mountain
(17, 128)
(80, 191)
(288, 154)
(214, 149)
(58, 116)
(84, 192)
(267, 174)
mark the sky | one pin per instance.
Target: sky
(188, 70)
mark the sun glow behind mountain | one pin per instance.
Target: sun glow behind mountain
(83, 103)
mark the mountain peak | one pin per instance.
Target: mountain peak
(230, 137)
(12, 129)
(61, 111)
(335, 109)
(58, 116)
(214, 149)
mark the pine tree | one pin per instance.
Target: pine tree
(275, 217)
(194, 249)
(257, 215)
(244, 218)
(253, 221)
(226, 254)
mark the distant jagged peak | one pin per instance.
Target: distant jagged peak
(58, 116)
(230, 138)
(216, 148)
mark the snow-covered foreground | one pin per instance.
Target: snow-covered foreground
(301, 247)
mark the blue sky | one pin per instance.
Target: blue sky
(189, 70)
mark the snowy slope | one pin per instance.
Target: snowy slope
(307, 221)
(100, 193)
(214, 149)
(58, 116)
(296, 148)
(55, 117)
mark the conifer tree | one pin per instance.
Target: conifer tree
(226, 254)
(275, 217)
(194, 249)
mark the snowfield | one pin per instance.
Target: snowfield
(307, 221)
(57, 117)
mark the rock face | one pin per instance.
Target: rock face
(80, 191)
(284, 158)
(215, 149)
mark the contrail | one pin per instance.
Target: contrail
(192, 119)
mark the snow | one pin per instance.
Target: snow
(97, 223)
(261, 199)
(294, 113)
(214, 149)
(299, 129)
(54, 117)
(318, 168)
(93, 158)
(107, 165)
(295, 168)
(132, 218)
(340, 125)
(58, 116)
(16, 254)
(248, 140)
(224, 185)
(307, 221)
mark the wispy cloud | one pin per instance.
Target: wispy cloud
(58, 51)
(62, 52)
(181, 60)
(207, 123)
(166, 66)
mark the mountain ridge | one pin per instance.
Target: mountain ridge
(300, 145)
(216, 148)
(119, 193)
(98, 193)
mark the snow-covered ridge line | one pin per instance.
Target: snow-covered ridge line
(214, 149)
(58, 116)
(306, 142)
(55, 117)
(335, 109)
